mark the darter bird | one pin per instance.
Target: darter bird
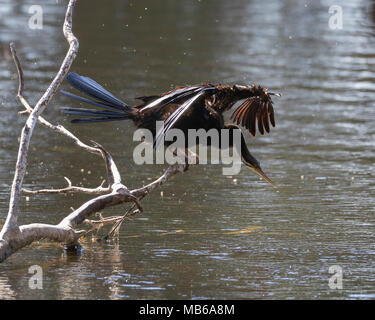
(188, 107)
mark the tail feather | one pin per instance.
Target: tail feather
(93, 89)
(91, 120)
(90, 112)
(89, 101)
(115, 109)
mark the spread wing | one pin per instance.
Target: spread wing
(193, 100)
(173, 96)
(252, 110)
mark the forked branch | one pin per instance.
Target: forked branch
(14, 237)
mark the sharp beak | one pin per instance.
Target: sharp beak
(252, 163)
(262, 174)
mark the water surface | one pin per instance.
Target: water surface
(207, 235)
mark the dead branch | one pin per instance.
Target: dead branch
(98, 224)
(11, 235)
(71, 189)
(14, 237)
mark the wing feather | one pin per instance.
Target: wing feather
(271, 114)
(260, 119)
(255, 112)
(234, 116)
(246, 113)
(240, 114)
(172, 96)
(265, 118)
(252, 117)
(173, 118)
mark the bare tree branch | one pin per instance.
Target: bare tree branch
(14, 237)
(113, 174)
(11, 227)
(27, 131)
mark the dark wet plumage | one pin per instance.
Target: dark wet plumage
(190, 107)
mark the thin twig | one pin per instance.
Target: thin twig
(71, 189)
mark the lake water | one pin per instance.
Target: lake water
(206, 235)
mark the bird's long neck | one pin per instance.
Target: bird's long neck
(247, 158)
(246, 155)
(245, 152)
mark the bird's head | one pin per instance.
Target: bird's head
(253, 164)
